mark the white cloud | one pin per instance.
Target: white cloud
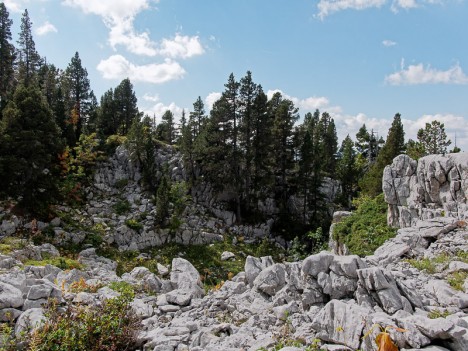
(119, 16)
(388, 43)
(454, 126)
(181, 46)
(403, 4)
(327, 7)
(118, 67)
(211, 99)
(308, 104)
(160, 108)
(46, 28)
(153, 98)
(15, 5)
(420, 74)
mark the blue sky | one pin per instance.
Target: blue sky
(361, 60)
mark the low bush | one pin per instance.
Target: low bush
(366, 229)
(110, 326)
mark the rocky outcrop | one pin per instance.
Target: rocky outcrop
(434, 186)
(326, 297)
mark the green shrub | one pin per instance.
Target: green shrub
(123, 288)
(60, 262)
(122, 207)
(366, 229)
(109, 326)
(134, 224)
(121, 183)
(457, 279)
(436, 313)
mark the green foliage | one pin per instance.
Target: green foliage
(29, 145)
(433, 139)
(109, 326)
(366, 229)
(121, 183)
(60, 262)
(371, 184)
(123, 288)
(437, 313)
(457, 279)
(112, 142)
(134, 224)
(122, 207)
(163, 198)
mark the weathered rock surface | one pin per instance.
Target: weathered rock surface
(434, 186)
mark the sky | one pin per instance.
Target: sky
(362, 61)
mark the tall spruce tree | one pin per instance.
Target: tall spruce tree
(262, 143)
(247, 92)
(197, 117)
(78, 96)
(126, 106)
(371, 184)
(327, 131)
(29, 147)
(285, 115)
(168, 129)
(7, 58)
(347, 171)
(433, 138)
(29, 59)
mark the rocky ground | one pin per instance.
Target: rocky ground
(324, 302)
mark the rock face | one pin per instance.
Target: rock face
(434, 186)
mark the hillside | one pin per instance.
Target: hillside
(415, 282)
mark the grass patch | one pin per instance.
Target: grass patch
(366, 229)
(436, 313)
(205, 258)
(134, 224)
(60, 262)
(457, 279)
(9, 244)
(122, 207)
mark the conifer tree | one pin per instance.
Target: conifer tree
(262, 143)
(327, 131)
(126, 106)
(347, 171)
(78, 96)
(285, 115)
(168, 127)
(247, 92)
(29, 59)
(433, 138)
(7, 57)
(197, 117)
(29, 147)
(371, 184)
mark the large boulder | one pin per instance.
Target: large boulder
(433, 186)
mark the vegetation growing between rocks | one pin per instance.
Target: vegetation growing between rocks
(366, 229)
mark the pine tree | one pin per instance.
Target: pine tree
(262, 144)
(126, 106)
(285, 115)
(197, 117)
(168, 127)
(327, 131)
(371, 184)
(29, 59)
(247, 92)
(433, 138)
(29, 145)
(78, 96)
(108, 122)
(347, 171)
(7, 57)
